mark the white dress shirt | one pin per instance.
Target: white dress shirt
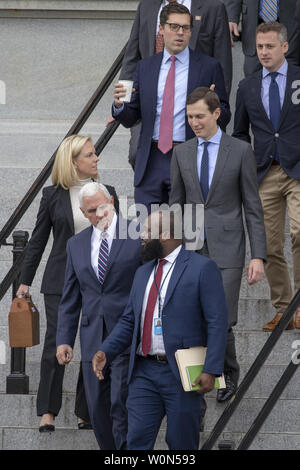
(96, 239)
(157, 341)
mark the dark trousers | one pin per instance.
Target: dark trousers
(154, 392)
(107, 403)
(231, 278)
(156, 183)
(49, 397)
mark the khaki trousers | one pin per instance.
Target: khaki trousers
(277, 192)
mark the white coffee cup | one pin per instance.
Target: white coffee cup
(128, 84)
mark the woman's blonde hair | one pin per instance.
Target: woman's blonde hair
(64, 173)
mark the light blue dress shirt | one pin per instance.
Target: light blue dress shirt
(265, 85)
(181, 81)
(213, 150)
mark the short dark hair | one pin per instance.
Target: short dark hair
(174, 8)
(204, 93)
(273, 26)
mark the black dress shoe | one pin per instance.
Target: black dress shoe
(47, 428)
(224, 394)
(84, 425)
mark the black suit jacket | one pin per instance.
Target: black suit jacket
(250, 111)
(55, 214)
(210, 35)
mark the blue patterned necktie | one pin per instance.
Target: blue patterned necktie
(274, 104)
(268, 10)
(204, 175)
(102, 259)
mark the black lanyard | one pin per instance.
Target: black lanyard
(161, 286)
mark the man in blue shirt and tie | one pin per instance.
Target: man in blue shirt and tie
(268, 102)
(161, 85)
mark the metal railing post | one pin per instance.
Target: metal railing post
(18, 382)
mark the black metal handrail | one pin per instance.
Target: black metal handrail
(250, 376)
(45, 173)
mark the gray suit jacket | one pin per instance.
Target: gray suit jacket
(249, 10)
(210, 35)
(234, 187)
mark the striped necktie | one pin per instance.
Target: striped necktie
(102, 259)
(268, 10)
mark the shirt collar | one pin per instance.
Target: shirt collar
(215, 139)
(110, 230)
(282, 70)
(173, 255)
(182, 56)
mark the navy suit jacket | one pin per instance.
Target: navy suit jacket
(203, 71)
(101, 305)
(250, 111)
(194, 313)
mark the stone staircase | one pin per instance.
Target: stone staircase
(27, 142)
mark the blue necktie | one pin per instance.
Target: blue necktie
(204, 182)
(274, 104)
(102, 259)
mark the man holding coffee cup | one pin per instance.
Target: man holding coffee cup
(161, 85)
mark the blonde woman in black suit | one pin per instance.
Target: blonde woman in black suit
(75, 165)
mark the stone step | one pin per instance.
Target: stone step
(248, 344)
(18, 411)
(261, 387)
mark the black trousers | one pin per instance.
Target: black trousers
(49, 397)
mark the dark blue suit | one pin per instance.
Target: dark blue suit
(102, 306)
(203, 71)
(250, 110)
(194, 314)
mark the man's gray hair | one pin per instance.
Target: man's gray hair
(90, 189)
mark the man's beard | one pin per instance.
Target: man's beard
(152, 250)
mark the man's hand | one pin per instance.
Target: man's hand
(22, 291)
(119, 92)
(212, 87)
(255, 271)
(64, 354)
(233, 28)
(110, 120)
(98, 362)
(206, 381)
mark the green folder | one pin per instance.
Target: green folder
(193, 373)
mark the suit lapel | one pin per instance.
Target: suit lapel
(196, 11)
(287, 97)
(115, 248)
(153, 70)
(154, 7)
(66, 205)
(223, 154)
(87, 253)
(143, 278)
(180, 265)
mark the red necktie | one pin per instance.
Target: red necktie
(159, 42)
(165, 139)
(152, 298)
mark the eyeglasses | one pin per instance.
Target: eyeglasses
(186, 28)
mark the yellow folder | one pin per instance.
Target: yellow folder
(190, 364)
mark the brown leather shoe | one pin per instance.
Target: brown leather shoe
(297, 318)
(273, 323)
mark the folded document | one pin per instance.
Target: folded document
(190, 363)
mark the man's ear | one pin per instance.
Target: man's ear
(83, 211)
